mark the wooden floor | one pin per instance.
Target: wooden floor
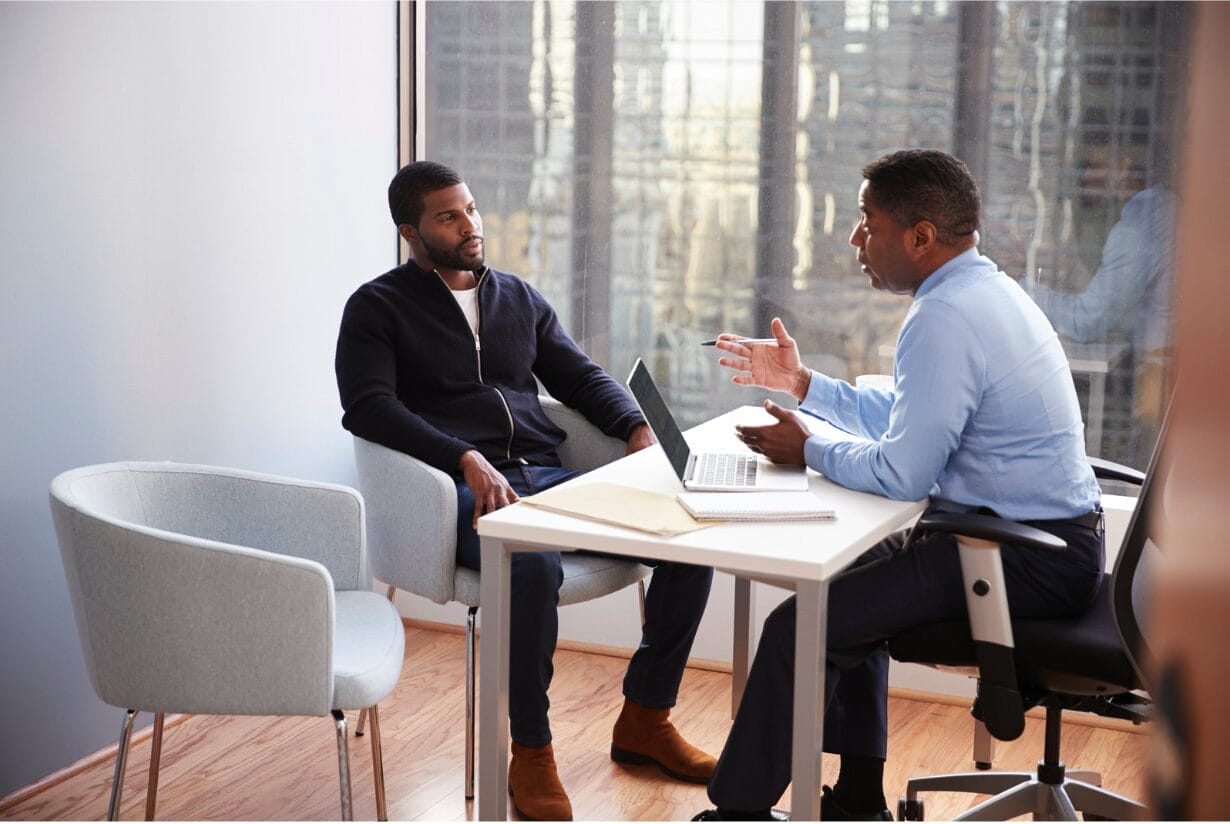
(228, 768)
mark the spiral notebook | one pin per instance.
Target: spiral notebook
(765, 506)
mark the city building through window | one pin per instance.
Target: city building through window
(665, 170)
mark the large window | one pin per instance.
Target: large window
(664, 170)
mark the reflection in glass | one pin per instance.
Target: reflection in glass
(663, 171)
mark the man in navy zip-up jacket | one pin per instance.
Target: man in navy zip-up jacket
(438, 358)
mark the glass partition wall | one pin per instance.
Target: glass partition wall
(665, 170)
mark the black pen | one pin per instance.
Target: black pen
(740, 340)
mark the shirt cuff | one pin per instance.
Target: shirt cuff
(821, 399)
(813, 452)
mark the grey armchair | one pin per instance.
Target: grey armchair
(412, 532)
(214, 591)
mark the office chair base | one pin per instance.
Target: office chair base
(1023, 793)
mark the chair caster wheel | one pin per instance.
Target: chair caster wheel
(910, 810)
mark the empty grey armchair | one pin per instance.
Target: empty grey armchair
(215, 591)
(412, 532)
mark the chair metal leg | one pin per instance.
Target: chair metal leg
(979, 783)
(1088, 776)
(984, 746)
(378, 765)
(1059, 806)
(358, 729)
(121, 758)
(343, 763)
(1090, 798)
(470, 616)
(1023, 799)
(155, 759)
(640, 589)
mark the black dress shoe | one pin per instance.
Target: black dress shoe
(830, 810)
(741, 815)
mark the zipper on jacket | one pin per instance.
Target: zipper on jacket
(478, 359)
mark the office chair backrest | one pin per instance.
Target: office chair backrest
(1140, 556)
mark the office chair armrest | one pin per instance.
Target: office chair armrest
(411, 521)
(1111, 471)
(586, 447)
(999, 704)
(990, 528)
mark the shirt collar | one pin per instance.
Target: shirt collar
(946, 271)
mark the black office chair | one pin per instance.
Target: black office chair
(1089, 663)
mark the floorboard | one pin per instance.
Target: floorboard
(239, 768)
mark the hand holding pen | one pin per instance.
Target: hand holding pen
(772, 363)
(736, 338)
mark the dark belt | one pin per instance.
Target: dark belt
(1089, 520)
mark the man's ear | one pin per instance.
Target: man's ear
(407, 232)
(922, 238)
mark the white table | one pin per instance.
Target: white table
(808, 554)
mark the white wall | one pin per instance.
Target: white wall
(188, 194)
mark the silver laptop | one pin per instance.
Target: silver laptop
(707, 471)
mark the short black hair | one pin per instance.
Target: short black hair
(927, 184)
(414, 182)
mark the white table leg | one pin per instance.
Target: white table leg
(493, 691)
(809, 655)
(741, 658)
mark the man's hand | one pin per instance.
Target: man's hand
(771, 365)
(780, 442)
(640, 438)
(490, 488)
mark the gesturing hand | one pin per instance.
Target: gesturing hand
(771, 365)
(780, 442)
(490, 488)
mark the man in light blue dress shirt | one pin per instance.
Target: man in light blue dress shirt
(1129, 299)
(982, 416)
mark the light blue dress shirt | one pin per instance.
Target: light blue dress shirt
(983, 410)
(1130, 296)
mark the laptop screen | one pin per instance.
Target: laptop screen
(659, 417)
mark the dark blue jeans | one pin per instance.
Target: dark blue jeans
(887, 590)
(674, 604)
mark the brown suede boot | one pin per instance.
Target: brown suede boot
(535, 786)
(646, 736)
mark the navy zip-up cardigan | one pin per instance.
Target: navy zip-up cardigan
(413, 377)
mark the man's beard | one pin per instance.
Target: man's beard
(453, 258)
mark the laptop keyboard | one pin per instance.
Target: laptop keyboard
(725, 469)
